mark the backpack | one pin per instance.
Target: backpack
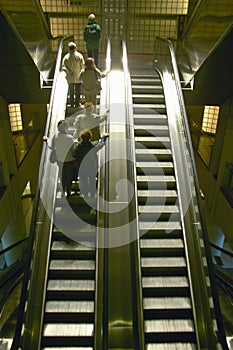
(93, 32)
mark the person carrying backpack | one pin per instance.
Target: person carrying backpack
(86, 155)
(92, 34)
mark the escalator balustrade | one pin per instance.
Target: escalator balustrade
(167, 310)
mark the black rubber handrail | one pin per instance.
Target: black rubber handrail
(227, 252)
(16, 244)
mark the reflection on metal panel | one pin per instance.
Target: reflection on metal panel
(28, 22)
(210, 22)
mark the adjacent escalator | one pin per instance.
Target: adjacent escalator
(167, 306)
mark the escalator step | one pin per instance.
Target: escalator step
(162, 243)
(67, 341)
(165, 291)
(156, 182)
(148, 130)
(170, 314)
(60, 330)
(71, 254)
(169, 330)
(150, 119)
(148, 98)
(159, 252)
(157, 197)
(159, 212)
(158, 262)
(145, 81)
(166, 227)
(145, 155)
(144, 89)
(171, 337)
(76, 306)
(70, 295)
(68, 348)
(73, 274)
(70, 317)
(165, 282)
(174, 303)
(170, 346)
(160, 233)
(67, 285)
(154, 141)
(69, 265)
(149, 108)
(164, 271)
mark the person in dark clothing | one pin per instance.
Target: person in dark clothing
(92, 34)
(87, 159)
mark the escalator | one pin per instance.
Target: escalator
(169, 309)
(70, 296)
(58, 300)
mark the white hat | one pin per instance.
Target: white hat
(91, 17)
(71, 45)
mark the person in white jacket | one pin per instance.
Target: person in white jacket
(89, 120)
(72, 63)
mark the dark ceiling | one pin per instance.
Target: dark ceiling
(20, 78)
(213, 82)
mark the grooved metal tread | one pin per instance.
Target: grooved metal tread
(166, 301)
(149, 106)
(155, 128)
(150, 118)
(155, 164)
(151, 87)
(158, 209)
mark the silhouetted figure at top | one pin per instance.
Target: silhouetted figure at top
(92, 34)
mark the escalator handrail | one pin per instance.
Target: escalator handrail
(14, 245)
(221, 331)
(101, 295)
(196, 15)
(32, 235)
(222, 250)
(38, 6)
(133, 210)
